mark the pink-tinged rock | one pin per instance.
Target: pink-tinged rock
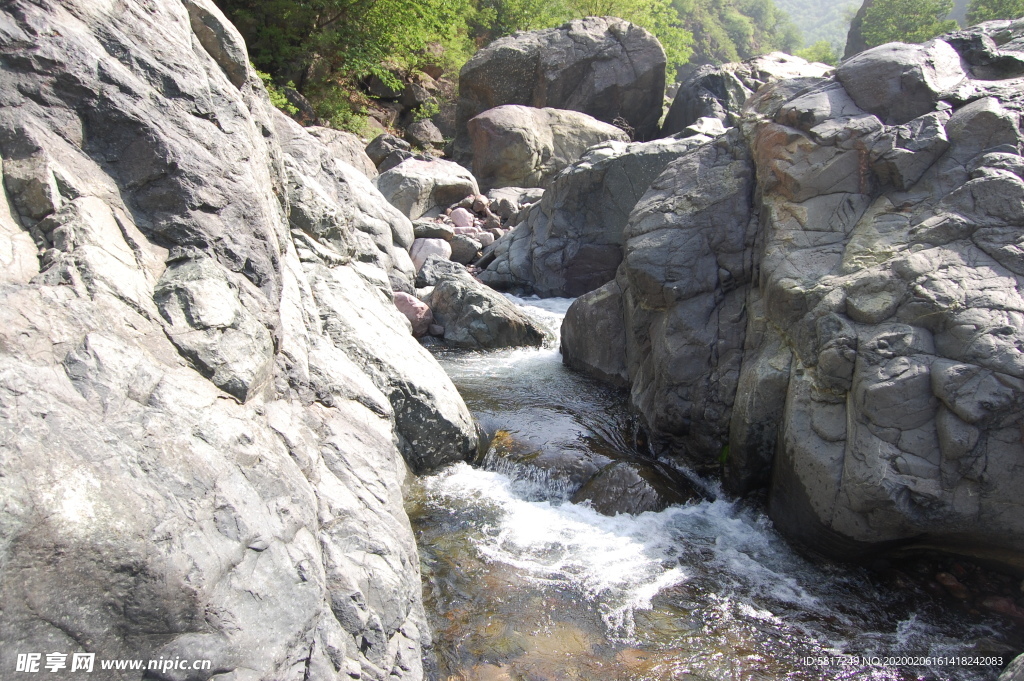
(485, 238)
(467, 231)
(416, 311)
(461, 217)
(424, 248)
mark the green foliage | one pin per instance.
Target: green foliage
(657, 16)
(818, 20)
(908, 21)
(820, 51)
(987, 10)
(277, 96)
(732, 30)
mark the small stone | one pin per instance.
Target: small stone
(436, 330)
(953, 586)
(461, 218)
(417, 312)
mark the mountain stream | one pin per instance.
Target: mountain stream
(523, 585)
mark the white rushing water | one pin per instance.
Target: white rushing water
(712, 583)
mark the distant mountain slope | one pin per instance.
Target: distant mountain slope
(821, 19)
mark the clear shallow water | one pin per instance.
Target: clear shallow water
(522, 584)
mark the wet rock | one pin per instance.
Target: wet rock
(601, 66)
(425, 188)
(635, 487)
(520, 146)
(1015, 670)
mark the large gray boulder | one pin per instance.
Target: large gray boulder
(571, 241)
(475, 316)
(848, 332)
(899, 82)
(420, 188)
(520, 146)
(721, 91)
(207, 409)
(602, 66)
(594, 338)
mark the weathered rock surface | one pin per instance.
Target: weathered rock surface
(853, 326)
(208, 400)
(346, 147)
(721, 91)
(602, 66)
(475, 316)
(332, 205)
(1015, 671)
(571, 241)
(899, 82)
(425, 188)
(520, 146)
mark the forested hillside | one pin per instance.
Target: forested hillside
(821, 19)
(324, 49)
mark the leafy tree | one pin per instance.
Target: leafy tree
(820, 51)
(731, 30)
(324, 45)
(657, 16)
(987, 10)
(908, 21)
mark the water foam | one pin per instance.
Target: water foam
(623, 562)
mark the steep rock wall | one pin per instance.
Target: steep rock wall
(833, 300)
(208, 402)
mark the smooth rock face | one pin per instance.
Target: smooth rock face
(720, 91)
(899, 82)
(601, 66)
(520, 146)
(852, 334)
(571, 241)
(425, 188)
(593, 337)
(473, 315)
(204, 403)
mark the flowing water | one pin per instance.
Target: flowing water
(521, 584)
